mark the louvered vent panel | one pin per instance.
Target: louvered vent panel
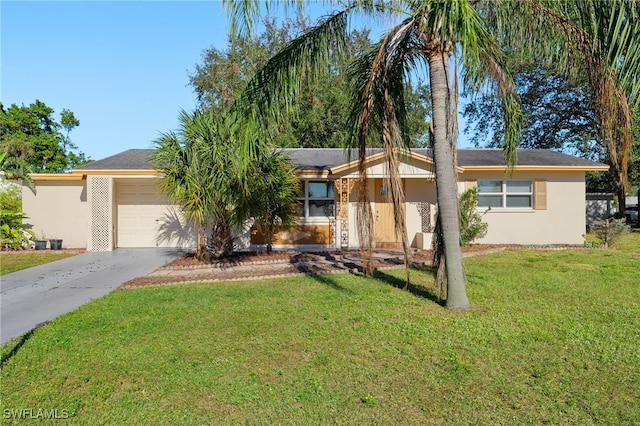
(100, 213)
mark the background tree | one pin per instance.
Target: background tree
(34, 142)
(318, 115)
(586, 40)
(560, 115)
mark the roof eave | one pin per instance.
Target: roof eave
(353, 164)
(56, 176)
(119, 172)
(532, 168)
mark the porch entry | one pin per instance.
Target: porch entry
(384, 234)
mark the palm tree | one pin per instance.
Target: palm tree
(197, 163)
(272, 202)
(430, 33)
(218, 185)
(599, 38)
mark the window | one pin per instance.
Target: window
(318, 199)
(511, 194)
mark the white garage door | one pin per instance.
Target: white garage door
(141, 214)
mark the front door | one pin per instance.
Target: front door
(383, 214)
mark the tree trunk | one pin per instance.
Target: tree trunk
(622, 201)
(446, 182)
(270, 238)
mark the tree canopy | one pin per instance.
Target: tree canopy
(559, 115)
(319, 114)
(35, 142)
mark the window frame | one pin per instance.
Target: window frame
(504, 194)
(306, 198)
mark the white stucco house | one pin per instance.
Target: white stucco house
(115, 202)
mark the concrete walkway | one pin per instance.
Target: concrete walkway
(36, 295)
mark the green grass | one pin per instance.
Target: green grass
(12, 262)
(553, 338)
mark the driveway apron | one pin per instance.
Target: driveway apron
(36, 295)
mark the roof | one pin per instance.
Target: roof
(526, 157)
(132, 159)
(329, 158)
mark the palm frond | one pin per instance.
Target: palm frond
(587, 38)
(278, 83)
(379, 114)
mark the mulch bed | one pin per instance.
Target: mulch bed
(257, 265)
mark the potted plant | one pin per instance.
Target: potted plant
(40, 244)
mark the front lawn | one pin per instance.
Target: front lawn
(553, 337)
(15, 261)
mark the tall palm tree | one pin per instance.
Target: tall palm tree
(599, 38)
(429, 33)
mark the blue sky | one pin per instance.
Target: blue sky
(122, 67)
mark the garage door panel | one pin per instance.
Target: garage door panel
(141, 210)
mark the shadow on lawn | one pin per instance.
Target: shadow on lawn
(25, 337)
(414, 289)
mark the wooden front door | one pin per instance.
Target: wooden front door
(383, 214)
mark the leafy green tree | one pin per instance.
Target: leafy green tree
(34, 141)
(12, 235)
(319, 112)
(559, 115)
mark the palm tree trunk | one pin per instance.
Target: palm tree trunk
(446, 182)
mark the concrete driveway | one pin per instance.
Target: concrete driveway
(36, 295)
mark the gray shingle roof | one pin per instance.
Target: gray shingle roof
(526, 157)
(132, 159)
(327, 158)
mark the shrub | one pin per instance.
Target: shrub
(471, 225)
(609, 230)
(10, 195)
(12, 236)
